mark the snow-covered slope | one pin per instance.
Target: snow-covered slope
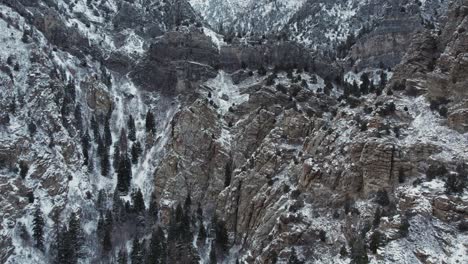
(164, 139)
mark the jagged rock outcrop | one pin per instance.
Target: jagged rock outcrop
(252, 139)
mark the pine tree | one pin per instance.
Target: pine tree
(377, 216)
(157, 247)
(188, 203)
(136, 256)
(201, 238)
(75, 237)
(85, 140)
(150, 123)
(375, 241)
(123, 140)
(347, 90)
(105, 164)
(100, 227)
(355, 89)
(95, 128)
(91, 163)
(107, 134)
(221, 235)
(365, 83)
(101, 203)
(136, 152)
(107, 231)
(213, 258)
(124, 174)
(383, 80)
(116, 160)
(63, 248)
(55, 236)
(343, 251)
(328, 87)
(131, 128)
(138, 201)
(153, 208)
(293, 259)
(199, 212)
(118, 207)
(78, 118)
(107, 241)
(122, 257)
(359, 251)
(38, 229)
(372, 87)
(227, 174)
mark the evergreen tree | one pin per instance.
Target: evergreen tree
(116, 160)
(78, 118)
(91, 164)
(75, 238)
(118, 207)
(150, 123)
(101, 202)
(123, 140)
(95, 128)
(69, 242)
(101, 148)
(131, 128)
(138, 201)
(404, 226)
(153, 208)
(157, 248)
(328, 87)
(293, 259)
(372, 87)
(359, 251)
(346, 90)
(343, 252)
(122, 257)
(227, 174)
(107, 231)
(107, 241)
(105, 164)
(365, 82)
(136, 152)
(199, 213)
(188, 203)
(85, 140)
(63, 251)
(124, 174)
(100, 229)
(38, 229)
(55, 238)
(355, 89)
(377, 216)
(136, 256)
(375, 241)
(201, 238)
(107, 134)
(383, 80)
(221, 235)
(213, 258)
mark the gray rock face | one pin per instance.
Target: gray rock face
(285, 163)
(175, 58)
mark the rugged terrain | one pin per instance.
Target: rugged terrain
(234, 131)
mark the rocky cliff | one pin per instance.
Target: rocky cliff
(148, 132)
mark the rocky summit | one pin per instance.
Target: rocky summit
(233, 131)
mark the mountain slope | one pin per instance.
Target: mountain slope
(144, 136)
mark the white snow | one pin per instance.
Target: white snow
(215, 38)
(225, 93)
